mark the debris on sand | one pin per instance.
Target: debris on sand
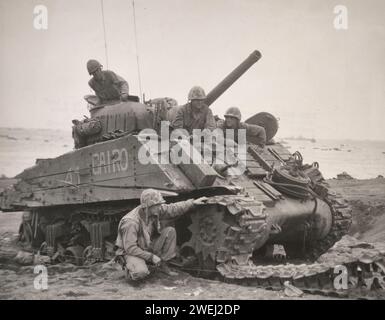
(71, 293)
(195, 293)
(62, 268)
(24, 258)
(41, 260)
(292, 291)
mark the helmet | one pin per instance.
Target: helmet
(92, 66)
(233, 112)
(151, 197)
(196, 93)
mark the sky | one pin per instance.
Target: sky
(319, 81)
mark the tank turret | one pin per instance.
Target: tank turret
(118, 118)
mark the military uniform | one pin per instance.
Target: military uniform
(254, 134)
(137, 241)
(111, 87)
(189, 119)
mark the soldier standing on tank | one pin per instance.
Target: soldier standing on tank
(254, 133)
(195, 114)
(106, 84)
(140, 239)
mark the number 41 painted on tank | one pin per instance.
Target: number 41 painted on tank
(73, 176)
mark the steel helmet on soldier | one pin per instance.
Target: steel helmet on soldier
(151, 197)
(93, 65)
(196, 93)
(234, 112)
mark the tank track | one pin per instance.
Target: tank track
(363, 262)
(233, 239)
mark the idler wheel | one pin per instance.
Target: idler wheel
(88, 258)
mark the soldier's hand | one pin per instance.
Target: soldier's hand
(200, 201)
(124, 97)
(156, 260)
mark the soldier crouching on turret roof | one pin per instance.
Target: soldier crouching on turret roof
(140, 239)
(108, 86)
(254, 133)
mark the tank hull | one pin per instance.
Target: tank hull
(90, 189)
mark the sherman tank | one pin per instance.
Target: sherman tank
(277, 207)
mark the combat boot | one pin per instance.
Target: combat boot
(163, 267)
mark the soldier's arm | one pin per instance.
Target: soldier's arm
(92, 86)
(173, 210)
(129, 233)
(210, 121)
(262, 136)
(121, 83)
(260, 133)
(178, 121)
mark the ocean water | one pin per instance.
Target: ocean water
(19, 149)
(360, 159)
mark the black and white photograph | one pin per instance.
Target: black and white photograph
(206, 152)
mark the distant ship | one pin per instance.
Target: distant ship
(301, 138)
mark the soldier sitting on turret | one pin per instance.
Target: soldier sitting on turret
(195, 114)
(107, 84)
(254, 134)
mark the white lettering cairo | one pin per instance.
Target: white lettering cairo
(106, 162)
(116, 161)
(95, 164)
(102, 161)
(124, 160)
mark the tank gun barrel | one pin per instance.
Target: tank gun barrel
(215, 93)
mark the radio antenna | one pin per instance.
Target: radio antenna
(136, 49)
(104, 31)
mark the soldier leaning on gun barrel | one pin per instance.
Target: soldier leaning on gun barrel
(254, 133)
(140, 238)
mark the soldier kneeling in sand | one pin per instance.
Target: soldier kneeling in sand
(140, 239)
